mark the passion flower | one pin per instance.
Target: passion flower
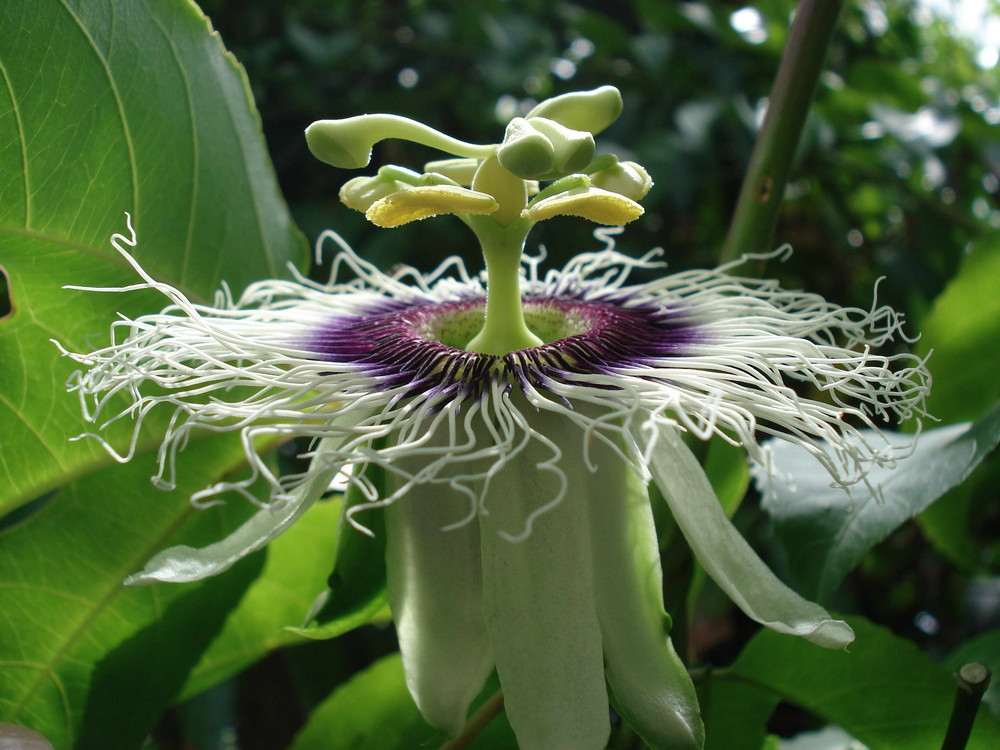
(519, 416)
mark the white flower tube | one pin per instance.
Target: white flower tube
(538, 594)
(648, 682)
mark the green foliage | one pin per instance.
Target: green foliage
(827, 531)
(82, 655)
(374, 711)
(960, 335)
(735, 713)
(883, 691)
(108, 108)
(983, 649)
(296, 567)
(135, 106)
(370, 712)
(356, 585)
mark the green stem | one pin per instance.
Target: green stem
(756, 214)
(972, 679)
(502, 236)
(477, 722)
(504, 329)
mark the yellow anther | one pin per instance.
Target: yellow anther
(413, 204)
(594, 204)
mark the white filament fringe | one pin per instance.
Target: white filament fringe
(244, 365)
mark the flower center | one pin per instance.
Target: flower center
(452, 324)
(455, 324)
(422, 346)
(552, 319)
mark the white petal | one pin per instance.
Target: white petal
(181, 564)
(651, 686)
(435, 593)
(539, 599)
(725, 554)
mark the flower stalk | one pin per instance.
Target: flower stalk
(972, 681)
(486, 713)
(504, 327)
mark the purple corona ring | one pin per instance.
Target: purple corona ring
(519, 531)
(418, 347)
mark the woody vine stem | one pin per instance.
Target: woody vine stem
(751, 229)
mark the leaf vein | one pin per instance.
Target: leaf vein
(119, 103)
(21, 140)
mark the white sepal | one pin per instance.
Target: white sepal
(435, 593)
(538, 594)
(182, 564)
(650, 685)
(723, 552)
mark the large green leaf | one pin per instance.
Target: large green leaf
(961, 334)
(108, 107)
(374, 711)
(298, 564)
(959, 524)
(735, 713)
(83, 659)
(729, 472)
(124, 105)
(826, 530)
(357, 584)
(883, 691)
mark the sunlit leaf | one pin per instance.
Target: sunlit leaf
(735, 713)
(133, 106)
(110, 107)
(373, 711)
(358, 578)
(298, 564)
(826, 530)
(728, 470)
(962, 331)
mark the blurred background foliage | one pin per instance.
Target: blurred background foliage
(898, 175)
(897, 172)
